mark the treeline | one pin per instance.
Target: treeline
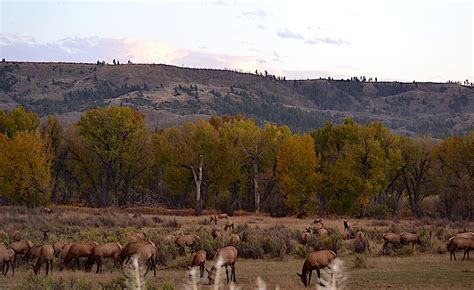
(230, 163)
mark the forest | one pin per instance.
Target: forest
(228, 163)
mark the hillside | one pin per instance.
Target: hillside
(170, 95)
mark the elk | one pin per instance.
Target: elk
(223, 216)
(47, 211)
(234, 239)
(346, 226)
(137, 215)
(361, 243)
(198, 261)
(99, 253)
(16, 236)
(77, 251)
(46, 255)
(409, 238)
(145, 251)
(214, 219)
(21, 247)
(7, 259)
(186, 240)
(216, 233)
(390, 238)
(225, 257)
(463, 241)
(228, 225)
(134, 237)
(305, 237)
(316, 261)
(33, 252)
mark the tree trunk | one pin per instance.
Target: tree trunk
(255, 185)
(198, 181)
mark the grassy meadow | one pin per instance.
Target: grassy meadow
(272, 251)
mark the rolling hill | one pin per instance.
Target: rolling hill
(170, 95)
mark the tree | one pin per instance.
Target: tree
(18, 120)
(297, 173)
(454, 170)
(416, 171)
(111, 148)
(25, 164)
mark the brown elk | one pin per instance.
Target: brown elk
(77, 251)
(234, 239)
(225, 257)
(305, 237)
(144, 251)
(16, 236)
(33, 252)
(21, 247)
(137, 215)
(463, 241)
(135, 237)
(223, 216)
(214, 219)
(46, 255)
(390, 238)
(229, 225)
(47, 211)
(216, 233)
(361, 243)
(184, 241)
(316, 261)
(7, 259)
(101, 252)
(409, 238)
(198, 261)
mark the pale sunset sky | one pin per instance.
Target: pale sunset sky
(392, 40)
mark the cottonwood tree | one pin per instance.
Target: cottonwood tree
(111, 148)
(297, 173)
(417, 171)
(25, 164)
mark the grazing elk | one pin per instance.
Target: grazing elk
(409, 238)
(216, 233)
(16, 236)
(234, 239)
(225, 257)
(20, 247)
(463, 241)
(144, 251)
(390, 238)
(7, 259)
(33, 253)
(361, 243)
(229, 225)
(184, 241)
(316, 261)
(305, 237)
(135, 237)
(199, 260)
(77, 251)
(101, 252)
(46, 255)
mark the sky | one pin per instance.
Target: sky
(393, 40)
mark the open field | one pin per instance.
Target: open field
(426, 267)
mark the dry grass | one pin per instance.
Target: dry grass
(273, 240)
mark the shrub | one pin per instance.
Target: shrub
(360, 262)
(406, 250)
(172, 224)
(378, 211)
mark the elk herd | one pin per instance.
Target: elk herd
(145, 251)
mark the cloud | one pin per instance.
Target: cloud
(256, 13)
(327, 40)
(289, 34)
(92, 49)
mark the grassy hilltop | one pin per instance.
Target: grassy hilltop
(170, 95)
